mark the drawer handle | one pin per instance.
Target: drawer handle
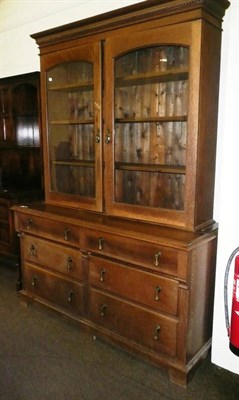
(157, 332)
(29, 223)
(70, 296)
(34, 281)
(100, 243)
(157, 291)
(33, 251)
(103, 310)
(157, 257)
(102, 275)
(69, 263)
(67, 232)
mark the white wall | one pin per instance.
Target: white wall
(226, 209)
(20, 18)
(19, 54)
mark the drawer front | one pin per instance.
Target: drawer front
(147, 328)
(143, 287)
(54, 256)
(61, 292)
(156, 257)
(46, 228)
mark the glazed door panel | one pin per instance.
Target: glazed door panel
(73, 97)
(148, 130)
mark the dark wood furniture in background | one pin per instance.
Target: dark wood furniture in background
(125, 242)
(20, 155)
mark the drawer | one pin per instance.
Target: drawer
(61, 292)
(154, 256)
(63, 259)
(143, 287)
(142, 326)
(59, 231)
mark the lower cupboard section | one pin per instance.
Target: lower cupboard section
(148, 328)
(63, 293)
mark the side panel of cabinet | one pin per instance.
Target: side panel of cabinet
(209, 87)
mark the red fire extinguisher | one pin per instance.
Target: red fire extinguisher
(233, 328)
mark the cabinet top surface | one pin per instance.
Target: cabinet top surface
(147, 10)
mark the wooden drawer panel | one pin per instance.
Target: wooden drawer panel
(143, 287)
(159, 258)
(145, 327)
(55, 256)
(60, 231)
(61, 292)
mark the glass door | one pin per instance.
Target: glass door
(74, 132)
(151, 92)
(149, 133)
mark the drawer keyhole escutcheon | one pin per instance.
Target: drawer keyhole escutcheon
(29, 223)
(108, 137)
(103, 310)
(70, 296)
(66, 234)
(157, 332)
(33, 251)
(34, 281)
(157, 257)
(100, 243)
(102, 274)
(157, 291)
(69, 263)
(97, 138)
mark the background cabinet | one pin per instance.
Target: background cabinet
(20, 155)
(129, 105)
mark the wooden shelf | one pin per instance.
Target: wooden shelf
(72, 87)
(181, 118)
(75, 163)
(73, 122)
(169, 169)
(152, 77)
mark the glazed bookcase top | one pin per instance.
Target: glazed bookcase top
(147, 10)
(129, 112)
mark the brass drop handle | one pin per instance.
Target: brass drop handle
(157, 291)
(33, 251)
(100, 243)
(34, 281)
(66, 233)
(157, 332)
(69, 263)
(102, 275)
(29, 223)
(70, 296)
(103, 310)
(97, 138)
(108, 137)
(157, 257)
